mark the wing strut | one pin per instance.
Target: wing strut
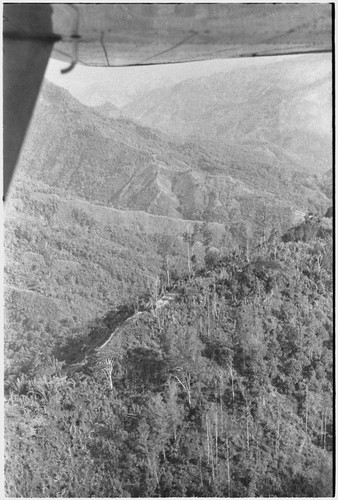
(27, 46)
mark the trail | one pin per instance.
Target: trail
(97, 341)
(19, 289)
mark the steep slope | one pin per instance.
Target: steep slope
(98, 201)
(283, 109)
(69, 260)
(84, 152)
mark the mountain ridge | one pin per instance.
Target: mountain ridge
(272, 106)
(116, 156)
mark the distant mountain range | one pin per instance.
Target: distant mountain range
(282, 110)
(103, 157)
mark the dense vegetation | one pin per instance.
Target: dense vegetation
(69, 261)
(167, 334)
(217, 382)
(67, 264)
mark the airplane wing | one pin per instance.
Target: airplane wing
(138, 34)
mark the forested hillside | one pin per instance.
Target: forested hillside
(68, 261)
(217, 382)
(168, 296)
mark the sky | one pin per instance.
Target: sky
(96, 85)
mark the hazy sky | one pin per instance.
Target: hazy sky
(93, 85)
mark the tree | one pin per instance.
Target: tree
(190, 239)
